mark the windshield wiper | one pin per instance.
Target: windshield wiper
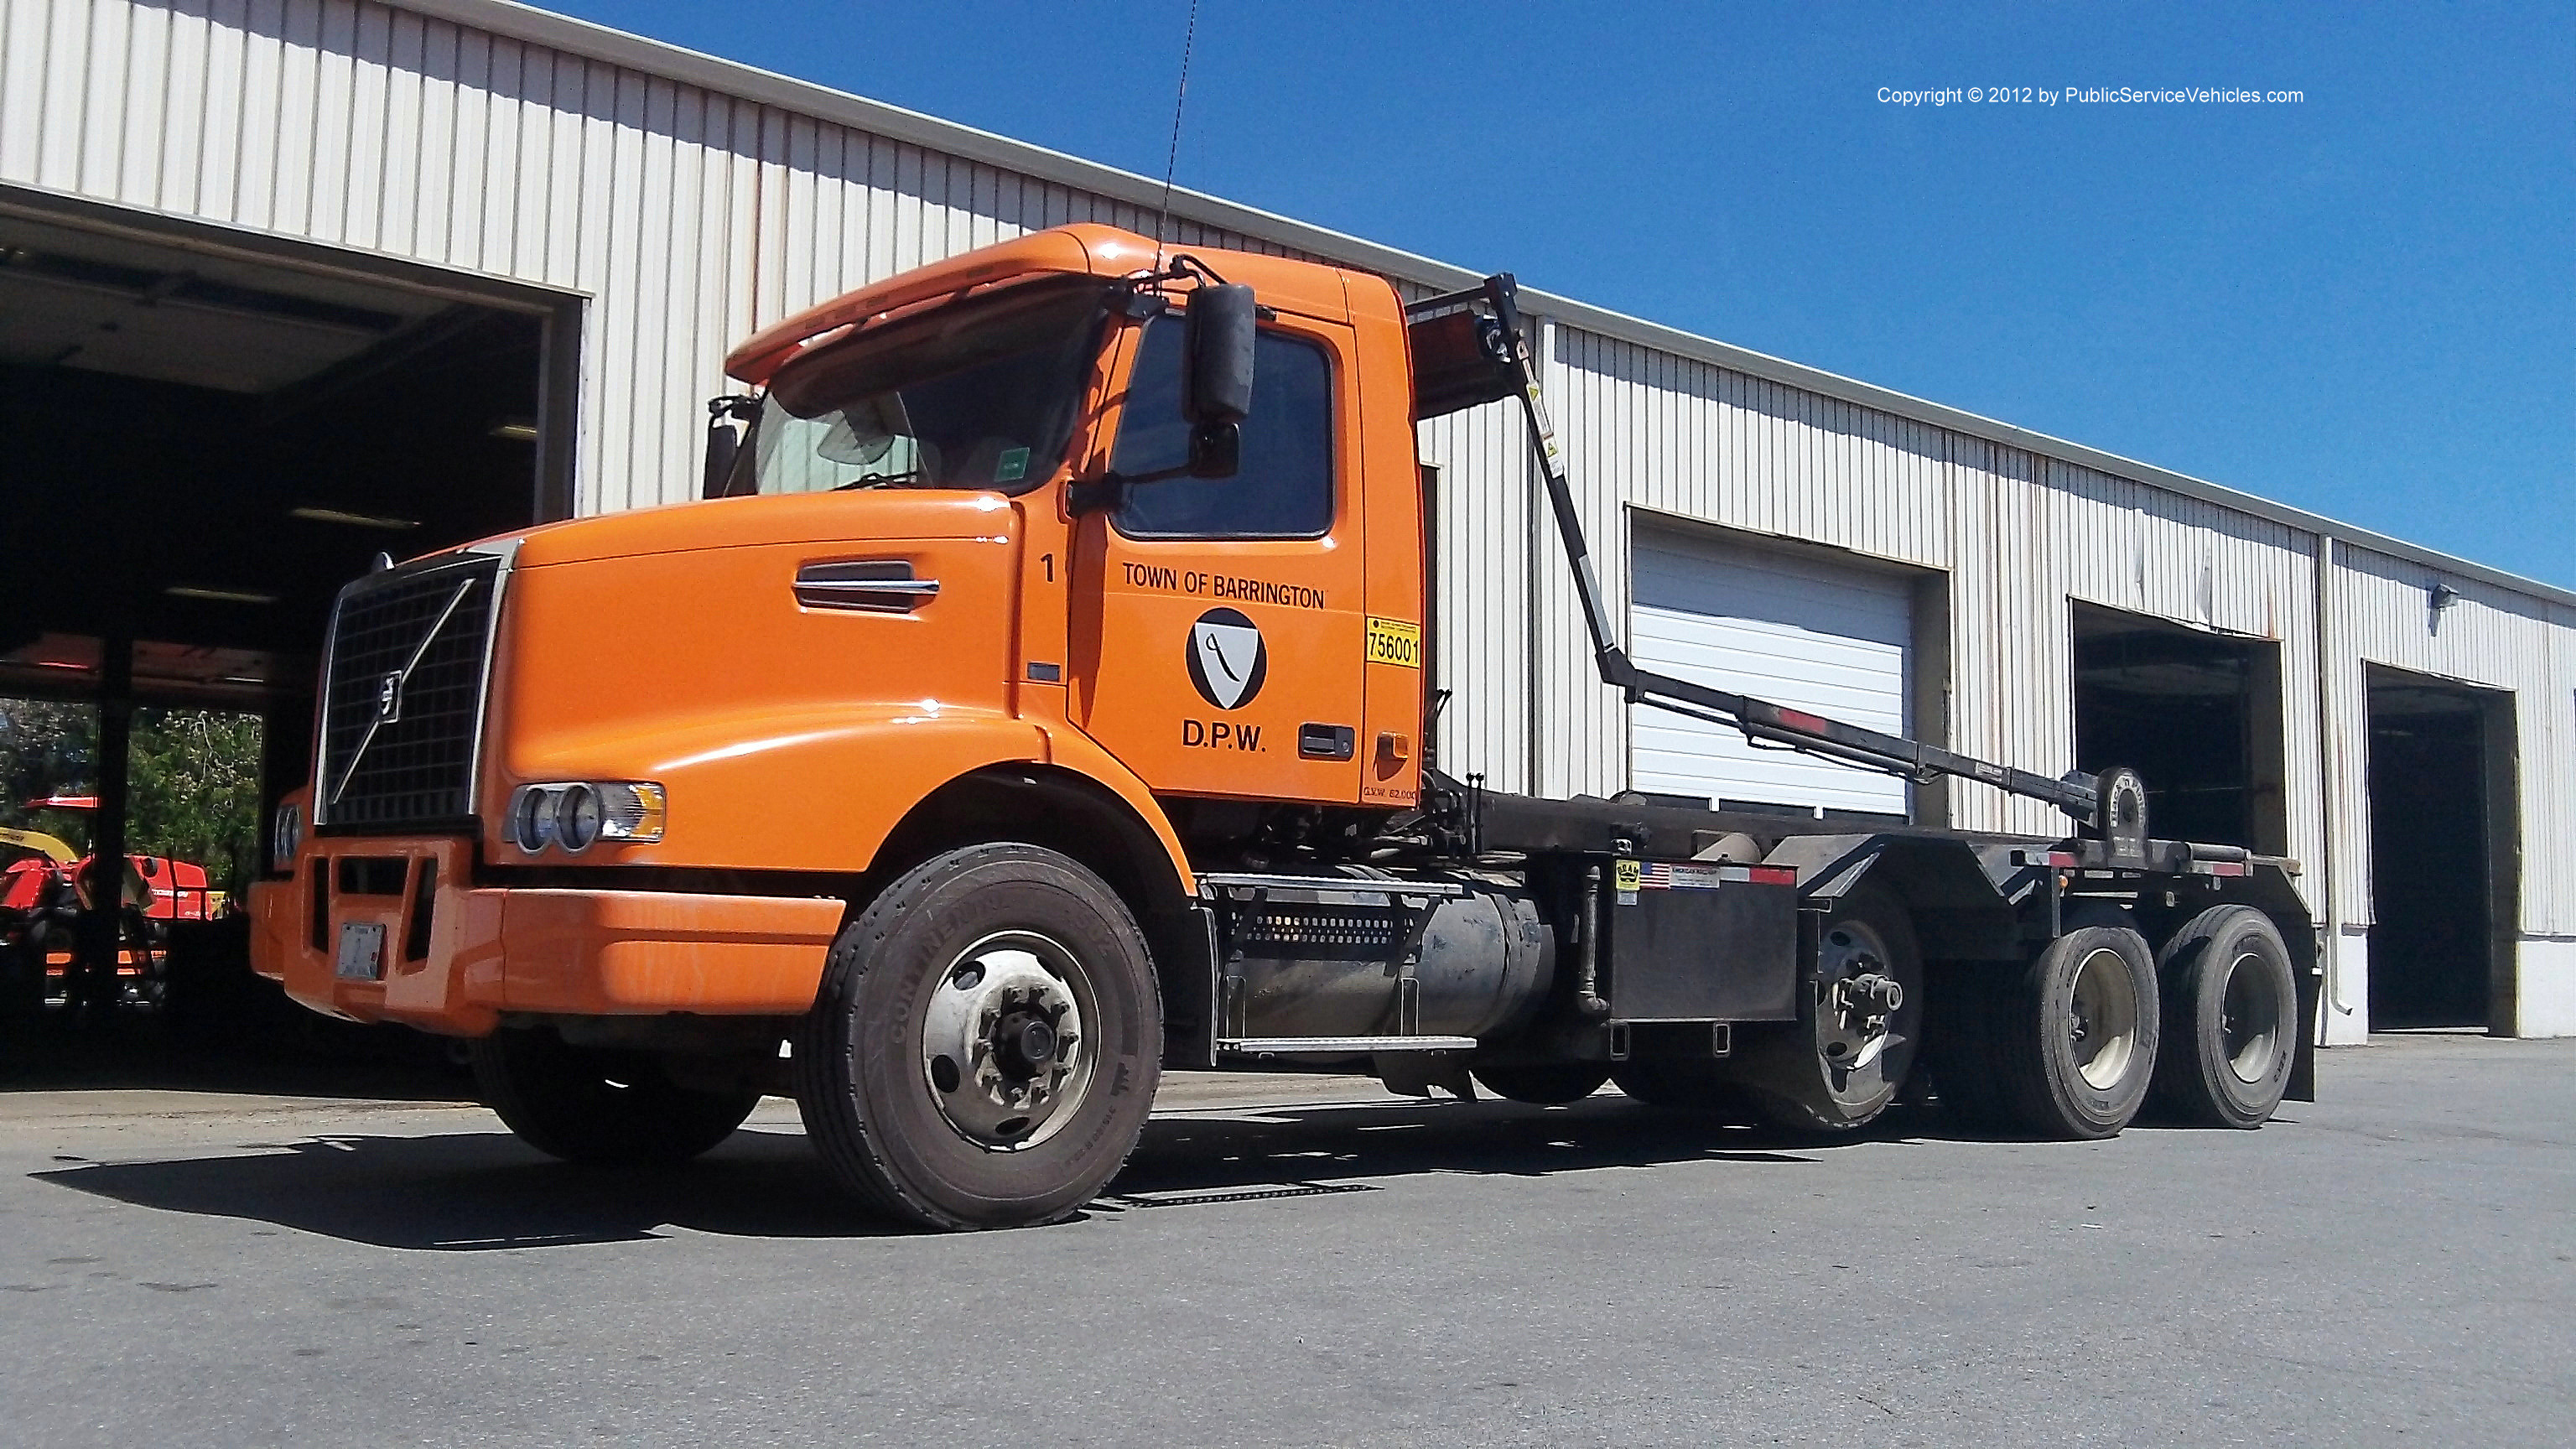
(890, 480)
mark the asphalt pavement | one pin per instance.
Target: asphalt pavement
(1304, 1261)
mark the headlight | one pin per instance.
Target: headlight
(577, 817)
(532, 818)
(286, 836)
(577, 814)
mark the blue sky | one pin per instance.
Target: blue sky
(2363, 304)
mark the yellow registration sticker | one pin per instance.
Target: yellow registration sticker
(1628, 875)
(1393, 641)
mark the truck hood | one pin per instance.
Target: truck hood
(726, 523)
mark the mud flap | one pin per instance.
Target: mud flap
(2303, 1062)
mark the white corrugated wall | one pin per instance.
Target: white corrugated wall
(2383, 614)
(687, 215)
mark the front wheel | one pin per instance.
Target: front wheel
(600, 1105)
(986, 1044)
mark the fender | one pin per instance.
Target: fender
(1081, 754)
(728, 809)
(1954, 906)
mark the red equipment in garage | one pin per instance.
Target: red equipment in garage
(44, 886)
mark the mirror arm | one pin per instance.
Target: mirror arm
(1215, 452)
(1090, 495)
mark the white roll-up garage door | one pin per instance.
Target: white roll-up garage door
(1778, 626)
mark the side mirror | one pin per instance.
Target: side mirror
(724, 443)
(1220, 348)
(1217, 395)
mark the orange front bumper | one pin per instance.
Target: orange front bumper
(487, 950)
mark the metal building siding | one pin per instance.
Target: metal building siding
(2017, 536)
(2489, 637)
(1482, 616)
(2009, 685)
(1645, 429)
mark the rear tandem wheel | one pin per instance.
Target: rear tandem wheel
(2063, 1047)
(2231, 1019)
(1860, 1020)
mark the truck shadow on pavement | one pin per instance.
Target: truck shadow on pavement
(484, 1191)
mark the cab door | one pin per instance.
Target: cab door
(1217, 624)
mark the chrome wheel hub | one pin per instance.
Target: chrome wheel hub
(1856, 1000)
(2102, 1024)
(2249, 1022)
(1004, 1052)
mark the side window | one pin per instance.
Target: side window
(1284, 488)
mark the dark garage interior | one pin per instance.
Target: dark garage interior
(211, 432)
(2444, 852)
(2197, 714)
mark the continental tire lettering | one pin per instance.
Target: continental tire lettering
(1202, 734)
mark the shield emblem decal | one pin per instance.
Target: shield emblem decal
(1228, 661)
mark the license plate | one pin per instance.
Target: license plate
(362, 951)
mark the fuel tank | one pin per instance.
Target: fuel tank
(1364, 953)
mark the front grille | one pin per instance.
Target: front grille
(403, 695)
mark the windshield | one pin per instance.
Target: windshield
(978, 395)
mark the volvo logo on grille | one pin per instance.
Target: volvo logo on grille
(389, 690)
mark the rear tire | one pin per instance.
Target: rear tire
(592, 1105)
(2064, 1048)
(1843, 1061)
(2231, 1019)
(1546, 1084)
(986, 1043)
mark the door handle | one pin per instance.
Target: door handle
(1325, 741)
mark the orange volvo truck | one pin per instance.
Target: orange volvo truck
(1035, 704)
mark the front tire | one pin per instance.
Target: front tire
(987, 1041)
(2231, 1018)
(598, 1105)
